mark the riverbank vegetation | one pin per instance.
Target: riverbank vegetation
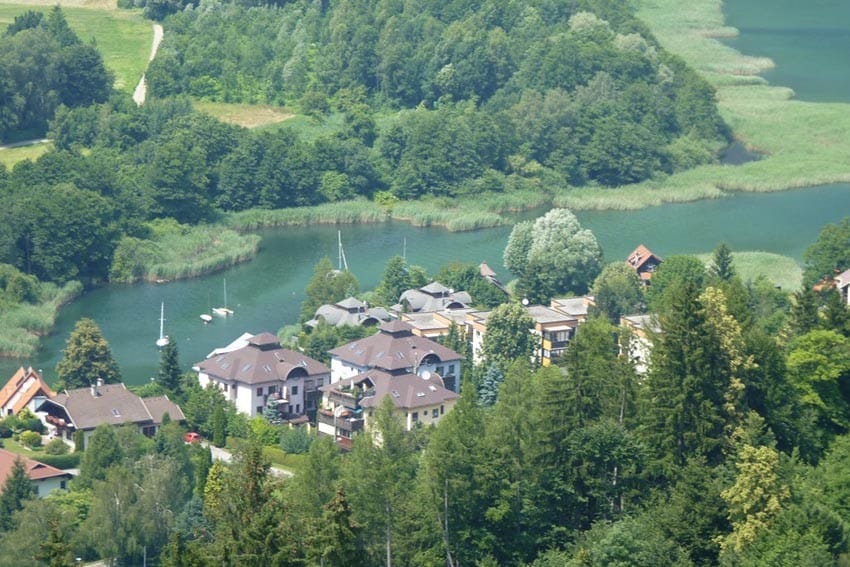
(28, 310)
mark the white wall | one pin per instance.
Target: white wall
(48, 485)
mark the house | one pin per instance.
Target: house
(350, 311)
(554, 326)
(45, 479)
(644, 263)
(433, 297)
(435, 324)
(641, 330)
(396, 350)
(84, 409)
(842, 284)
(25, 389)
(348, 405)
(256, 369)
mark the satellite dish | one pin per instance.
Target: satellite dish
(525, 301)
(426, 375)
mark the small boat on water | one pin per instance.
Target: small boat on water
(223, 311)
(206, 317)
(163, 338)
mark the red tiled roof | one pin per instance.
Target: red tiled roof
(35, 469)
(30, 381)
(640, 256)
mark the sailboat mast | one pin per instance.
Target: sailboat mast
(161, 320)
(342, 263)
(225, 293)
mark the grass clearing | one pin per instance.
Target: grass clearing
(782, 271)
(245, 115)
(10, 156)
(123, 37)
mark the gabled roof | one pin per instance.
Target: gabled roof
(433, 297)
(35, 469)
(261, 360)
(842, 279)
(22, 387)
(393, 347)
(350, 311)
(408, 391)
(575, 306)
(351, 303)
(641, 256)
(486, 271)
(113, 404)
(642, 322)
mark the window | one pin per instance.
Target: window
(440, 370)
(451, 368)
(321, 382)
(415, 416)
(295, 390)
(226, 387)
(259, 410)
(272, 389)
(260, 391)
(436, 413)
(297, 408)
(442, 410)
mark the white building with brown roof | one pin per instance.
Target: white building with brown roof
(84, 409)
(642, 329)
(348, 405)
(45, 479)
(25, 389)
(257, 369)
(396, 350)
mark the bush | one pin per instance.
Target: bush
(295, 440)
(5, 432)
(31, 439)
(33, 424)
(64, 462)
(56, 447)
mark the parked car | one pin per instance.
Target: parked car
(192, 437)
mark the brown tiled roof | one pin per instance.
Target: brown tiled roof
(393, 347)
(640, 256)
(114, 404)
(17, 381)
(262, 360)
(161, 405)
(407, 391)
(35, 469)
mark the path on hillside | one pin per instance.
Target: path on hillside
(142, 88)
(24, 143)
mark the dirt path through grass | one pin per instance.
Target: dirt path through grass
(142, 88)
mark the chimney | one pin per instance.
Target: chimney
(99, 382)
(94, 391)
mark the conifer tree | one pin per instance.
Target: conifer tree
(169, 370)
(16, 490)
(87, 358)
(339, 542)
(102, 451)
(722, 264)
(488, 392)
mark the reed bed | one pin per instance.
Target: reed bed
(22, 324)
(782, 271)
(344, 212)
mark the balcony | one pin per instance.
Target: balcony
(349, 398)
(348, 423)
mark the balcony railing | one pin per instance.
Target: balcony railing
(342, 423)
(349, 398)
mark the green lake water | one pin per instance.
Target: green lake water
(806, 41)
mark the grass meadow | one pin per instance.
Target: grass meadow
(11, 156)
(245, 115)
(779, 270)
(123, 37)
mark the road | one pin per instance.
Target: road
(225, 456)
(142, 88)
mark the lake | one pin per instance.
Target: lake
(810, 52)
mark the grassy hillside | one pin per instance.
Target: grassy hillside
(123, 36)
(779, 270)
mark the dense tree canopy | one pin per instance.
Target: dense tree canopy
(87, 358)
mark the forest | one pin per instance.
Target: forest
(430, 101)
(730, 450)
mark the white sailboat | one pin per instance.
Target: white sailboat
(163, 338)
(223, 311)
